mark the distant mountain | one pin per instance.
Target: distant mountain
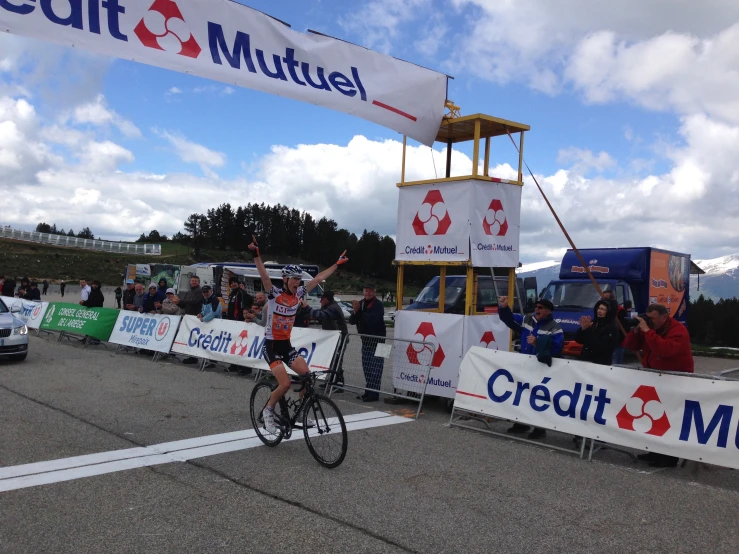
(720, 281)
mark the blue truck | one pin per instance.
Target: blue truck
(638, 276)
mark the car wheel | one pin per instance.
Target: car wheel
(20, 357)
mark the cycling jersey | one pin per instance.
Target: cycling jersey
(281, 309)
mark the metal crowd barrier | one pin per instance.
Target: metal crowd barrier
(75, 242)
(383, 366)
(596, 446)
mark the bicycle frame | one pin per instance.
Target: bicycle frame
(307, 382)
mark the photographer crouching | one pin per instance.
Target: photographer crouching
(664, 343)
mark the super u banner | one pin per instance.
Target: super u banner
(154, 332)
(32, 313)
(232, 43)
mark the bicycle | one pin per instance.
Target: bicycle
(325, 433)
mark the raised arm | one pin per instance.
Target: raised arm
(326, 273)
(266, 281)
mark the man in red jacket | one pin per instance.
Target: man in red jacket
(664, 342)
(665, 345)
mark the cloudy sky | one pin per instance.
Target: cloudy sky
(634, 110)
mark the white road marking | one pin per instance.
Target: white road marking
(78, 467)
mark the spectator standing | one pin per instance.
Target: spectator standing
(95, 298)
(599, 335)
(169, 305)
(665, 345)
(622, 319)
(152, 300)
(369, 316)
(163, 286)
(238, 301)
(541, 336)
(34, 293)
(211, 307)
(128, 295)
(138, 297)
(62, 286)
(46, 287)
(191, 302)
(23, 288)
(8, 287)
(257, 314)
(84, 291)
(332, 318)
(118, 296)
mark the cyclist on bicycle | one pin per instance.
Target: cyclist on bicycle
(282, 305)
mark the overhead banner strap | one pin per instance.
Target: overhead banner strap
(235, 44)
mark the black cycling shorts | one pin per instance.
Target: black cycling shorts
(279, 351)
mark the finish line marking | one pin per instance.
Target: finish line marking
(90, 465)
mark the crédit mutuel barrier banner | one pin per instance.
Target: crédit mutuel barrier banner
(154, 332)
(229, 42)
(73, 318)
(445, 332)
(31, 312)
(691, 418)
(486, 331)
(241, 343)
(458, 221)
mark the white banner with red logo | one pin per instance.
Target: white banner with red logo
(232, 43)
(31, 312)
(433, 222)
(486, 331)
(446, 332)
(154, 332)
(677, 415)
(495, 224)
(241, 343)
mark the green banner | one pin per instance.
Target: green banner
(71, 318)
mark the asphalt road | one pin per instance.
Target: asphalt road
(418, 486)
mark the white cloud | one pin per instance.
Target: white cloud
(584, 160)
(175, 90)
(377, 22)
(98, 113)
(192, 152)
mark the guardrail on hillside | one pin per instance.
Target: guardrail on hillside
(89, 244)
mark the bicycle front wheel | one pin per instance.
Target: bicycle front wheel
(326, 435)
(259, 398)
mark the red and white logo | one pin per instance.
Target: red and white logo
(488, 340)
(644, 413)
(162, 329)
(495, 223)
(164, 28)
(432, 217)
(419, 354)
(36, 312)
(241, 344)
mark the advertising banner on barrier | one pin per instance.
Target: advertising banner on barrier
(433, 222)
(677, 415)
(31, 312)
(486, 331)
(73, 318)
(241, 343)
(235, 44)
(443, 330)
(495, 224)
(154, 332)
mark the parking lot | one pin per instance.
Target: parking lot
(405, 486)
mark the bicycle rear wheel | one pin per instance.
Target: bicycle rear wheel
(259, 398)
(327, 439)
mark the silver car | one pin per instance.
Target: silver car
(13, 334)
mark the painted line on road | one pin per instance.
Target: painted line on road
(79, 467)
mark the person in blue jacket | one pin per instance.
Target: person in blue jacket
(541, 336)
(152, 300)
(212, 308)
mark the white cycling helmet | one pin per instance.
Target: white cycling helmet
(292, 271)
